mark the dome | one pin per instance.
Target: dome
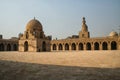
(112, 34)
(34, 25)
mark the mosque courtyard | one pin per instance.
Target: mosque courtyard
(80, 65)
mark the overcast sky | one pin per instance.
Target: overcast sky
(60, 18)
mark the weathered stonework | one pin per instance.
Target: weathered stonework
(34, 40)
(84, 42)
(8, 44)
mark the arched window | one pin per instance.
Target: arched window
(73, 46)
(41, 35)
(105, 46)
(43, 46)
(27, 36)
(54, 46)
(80, 46)
(60, 47)
(1, 47)
(26, 46)
(96, 46)
(15, 47)
(113, 45)
(66, 46)
(88, 46)
(8, 47)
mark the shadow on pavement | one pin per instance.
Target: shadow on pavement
(28, 71)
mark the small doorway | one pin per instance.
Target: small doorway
(96, 46)
(2, 47)
(88, 46)
(26, 46)
(8, 47)
(105, 46)
(43, 46)
(113, 45)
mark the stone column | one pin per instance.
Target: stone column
(63, 47)
(11, 45)
(5, 47)
(100, 45)
(57, 47)
(84, 46)
(92, 46)
(109, 46)
(51, 48)
(118, 46)
(77, 47)
(70, 47)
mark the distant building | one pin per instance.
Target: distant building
(34, 40)
(8, 44)
(84, 42)
(1, 37)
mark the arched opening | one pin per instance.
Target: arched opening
(54, 46)
(88, 46)
(80, 46)
(113, 45)
(1, 47)
(96, 46)
(26, 46)
(73, 46)
(8, 47)
(27, 35)
(43, 46)
(41, 35)
(66, 46)
(105, 46)
(15, 47)
(60, 47)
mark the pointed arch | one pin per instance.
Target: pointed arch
(80, 46)
(96, 46)
(104, 46)
(113, 45)
(8, 47)
(41, 34)
(1, 47)
(27, 35)
(66, 46)
(44, 46)
(26, 46)
(54, 47)
(15, 47)
(73, 46)
(60, 47)
(88, 46)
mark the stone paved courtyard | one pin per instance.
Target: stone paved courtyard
(86, 65)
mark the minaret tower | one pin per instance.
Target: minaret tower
(84, 33)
